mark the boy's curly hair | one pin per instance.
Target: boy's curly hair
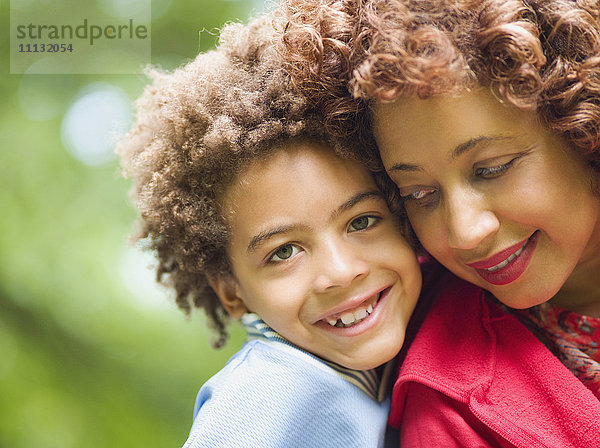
(541, 55)
(196, 129)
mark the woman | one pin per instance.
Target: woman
(486, 114)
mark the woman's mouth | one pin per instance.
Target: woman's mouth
(508, 265)
(352, 317)
(508, 260)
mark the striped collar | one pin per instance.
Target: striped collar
(371, 382)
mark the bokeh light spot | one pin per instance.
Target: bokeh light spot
(138, 273)
(94, 121)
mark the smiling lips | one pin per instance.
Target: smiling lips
(352, 317)
(508, 265)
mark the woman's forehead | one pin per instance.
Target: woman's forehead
(450, 125)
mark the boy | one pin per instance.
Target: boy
(254, 215)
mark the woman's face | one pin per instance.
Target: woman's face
(494, 196)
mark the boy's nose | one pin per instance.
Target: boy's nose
(338, 266)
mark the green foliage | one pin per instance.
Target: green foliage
(84, 360)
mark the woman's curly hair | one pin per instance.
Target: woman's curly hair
(196, 128)
(541, 55)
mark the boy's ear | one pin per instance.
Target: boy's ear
(225, 287)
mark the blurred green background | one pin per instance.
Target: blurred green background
(92, 353)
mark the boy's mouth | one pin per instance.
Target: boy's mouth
(351, 317)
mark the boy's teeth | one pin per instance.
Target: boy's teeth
(360, 314)
(351, 318)
(347, 318)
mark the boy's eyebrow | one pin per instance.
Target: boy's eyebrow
(456, 152)
(358, 197)
(263, 236)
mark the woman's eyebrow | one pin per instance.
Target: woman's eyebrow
(405, 167)
(476, 141)
(456, 152)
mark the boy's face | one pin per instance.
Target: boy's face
(318, 255)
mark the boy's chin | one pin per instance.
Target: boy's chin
(372, 361)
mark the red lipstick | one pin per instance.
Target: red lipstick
(511, 262)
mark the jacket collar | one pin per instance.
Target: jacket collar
(371, 382)
(470, 350)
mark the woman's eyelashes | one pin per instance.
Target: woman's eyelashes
(426, 196)
(494, 171)
(421, 196)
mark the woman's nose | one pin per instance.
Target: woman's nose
(470, 220)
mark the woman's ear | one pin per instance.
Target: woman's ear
(225, 287)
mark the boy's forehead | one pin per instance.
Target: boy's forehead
(278, 157)
(302, 156)
(294, 181)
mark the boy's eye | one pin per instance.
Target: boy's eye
(362, 223)
(284, 252)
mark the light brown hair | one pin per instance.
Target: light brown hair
(196, 130)
(541, 55)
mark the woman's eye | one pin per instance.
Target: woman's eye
(284, 252)
(362, 223)
(421, 194)
(421, 197)
(493, 171)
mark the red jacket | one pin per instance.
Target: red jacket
(474, 376)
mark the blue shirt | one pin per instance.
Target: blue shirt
(271, 394)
